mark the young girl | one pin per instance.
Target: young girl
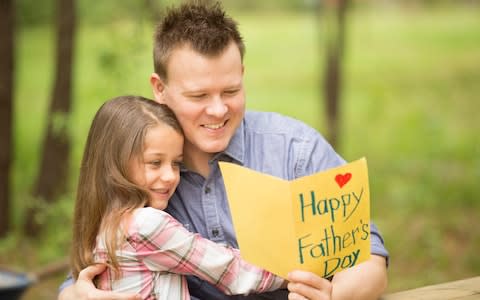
(130, 168)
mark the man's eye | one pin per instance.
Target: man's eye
(231, 92)
(198, 96)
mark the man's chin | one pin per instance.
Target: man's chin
(205, 145)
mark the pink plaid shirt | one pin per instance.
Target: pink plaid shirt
(159, 251)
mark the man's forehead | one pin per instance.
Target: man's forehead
(188, 57)
(198, 75)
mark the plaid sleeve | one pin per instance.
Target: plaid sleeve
(164, 244)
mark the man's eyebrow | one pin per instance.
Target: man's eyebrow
(194, 92)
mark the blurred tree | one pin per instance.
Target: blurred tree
(335, 14)
(33, 12)
(154, 8)
(6, 106)
(52, 177)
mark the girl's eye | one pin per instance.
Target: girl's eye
(177, 164)
(155, 163)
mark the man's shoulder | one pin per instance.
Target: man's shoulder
(274, 123)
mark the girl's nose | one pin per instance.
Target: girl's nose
(168, 174)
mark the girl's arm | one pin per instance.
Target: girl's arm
(166, 245)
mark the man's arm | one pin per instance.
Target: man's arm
(365, 281)
(84, 289)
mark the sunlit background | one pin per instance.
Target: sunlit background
(410, 103)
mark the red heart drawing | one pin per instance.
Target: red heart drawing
(343, 179)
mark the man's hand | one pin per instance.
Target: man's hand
(365, 281)
(84, 289)
(306, 285)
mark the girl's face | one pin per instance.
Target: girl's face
(158, 170)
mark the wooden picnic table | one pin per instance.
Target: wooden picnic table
(466, 289)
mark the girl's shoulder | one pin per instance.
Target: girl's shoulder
(146, 220)
(148, 212)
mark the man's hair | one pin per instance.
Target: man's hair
(204, 27)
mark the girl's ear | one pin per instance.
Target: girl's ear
(158, 87)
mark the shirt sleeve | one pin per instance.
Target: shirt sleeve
(68, 282)
(376, 242)
(165, 245)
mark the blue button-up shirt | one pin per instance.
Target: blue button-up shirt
(265, 142)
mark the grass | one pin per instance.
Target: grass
(410, 106)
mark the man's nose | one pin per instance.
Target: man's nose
(217, 107)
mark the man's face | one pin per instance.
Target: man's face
(207, 96)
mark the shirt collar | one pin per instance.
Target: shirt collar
(236, 147)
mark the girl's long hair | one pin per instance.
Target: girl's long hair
(105, 192)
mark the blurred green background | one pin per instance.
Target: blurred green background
(410, 105)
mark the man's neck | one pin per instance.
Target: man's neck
(197, 161)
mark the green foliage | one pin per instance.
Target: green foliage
(33, 12)
(50, 245)
(410, 105)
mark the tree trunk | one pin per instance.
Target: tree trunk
(335, 11)
(6, 108)
(52, 178)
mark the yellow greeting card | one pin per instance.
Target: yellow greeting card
(318, 223)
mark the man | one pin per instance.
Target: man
(198, 61)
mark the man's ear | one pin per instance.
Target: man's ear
(158, 88)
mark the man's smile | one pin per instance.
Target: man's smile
(214, 126)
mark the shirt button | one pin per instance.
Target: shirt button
(207, 190)
(215, 232)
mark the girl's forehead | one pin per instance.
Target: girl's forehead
(163, 140)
